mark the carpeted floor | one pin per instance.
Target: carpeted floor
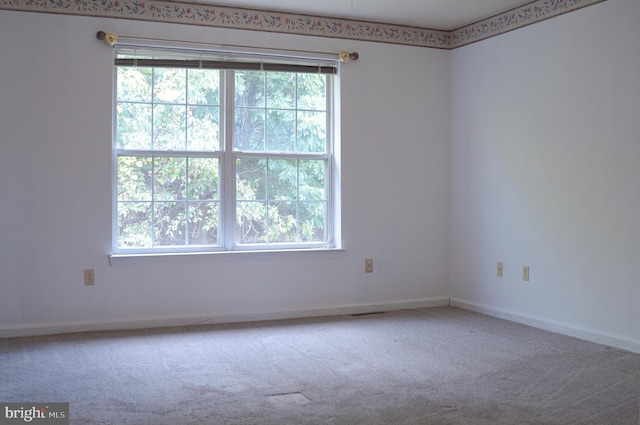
(423, 366)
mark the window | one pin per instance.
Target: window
(216, 155)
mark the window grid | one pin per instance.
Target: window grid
(227, 158)
(268, 200)
(186, 201)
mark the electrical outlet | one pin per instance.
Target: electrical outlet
(525, 273)
(89, 277)
(368, 265)
(500, 269)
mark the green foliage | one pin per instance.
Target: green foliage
(280, 200)
(170, 196)
(280, 112)
(181, 194)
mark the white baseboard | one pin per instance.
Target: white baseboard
(37, 329)
(548, 325)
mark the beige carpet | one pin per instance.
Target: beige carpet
(424, 366)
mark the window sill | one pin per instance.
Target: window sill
(211, 254)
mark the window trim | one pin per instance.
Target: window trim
(227, 163)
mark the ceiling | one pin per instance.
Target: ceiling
(433, 14)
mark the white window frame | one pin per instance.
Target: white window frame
(227, 177)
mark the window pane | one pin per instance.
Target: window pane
(169, 85)
(312, 131)
(134, 84)
(249, 88)
(281, 90)
(248, 134)
(135, 176)
(203, 179)
(312, 180)
(134, 126)
(170, 178)
(251, 179)
(282, 222)
(312, 216)
(283, 179)
(203, 87)
(203, 128)
(169, 122)
(134, 224)
(250, 222)
(203, 223)
(249, 111)
(169, 223)
(281, 130)
(312, 92)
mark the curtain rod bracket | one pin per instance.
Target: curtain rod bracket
(110, 38)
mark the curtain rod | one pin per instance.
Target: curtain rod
(111, 39)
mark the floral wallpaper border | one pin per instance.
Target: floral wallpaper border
(288, 23)
(519, 17)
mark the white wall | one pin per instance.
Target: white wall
(55, 196)
(546, 173)
(535, 134)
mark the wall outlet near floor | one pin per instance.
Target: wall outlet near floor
(89, 277)
(368, 265)
(525, 273)
(500, 269)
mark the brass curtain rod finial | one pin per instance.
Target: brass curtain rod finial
(345, 56)
(110, 38)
